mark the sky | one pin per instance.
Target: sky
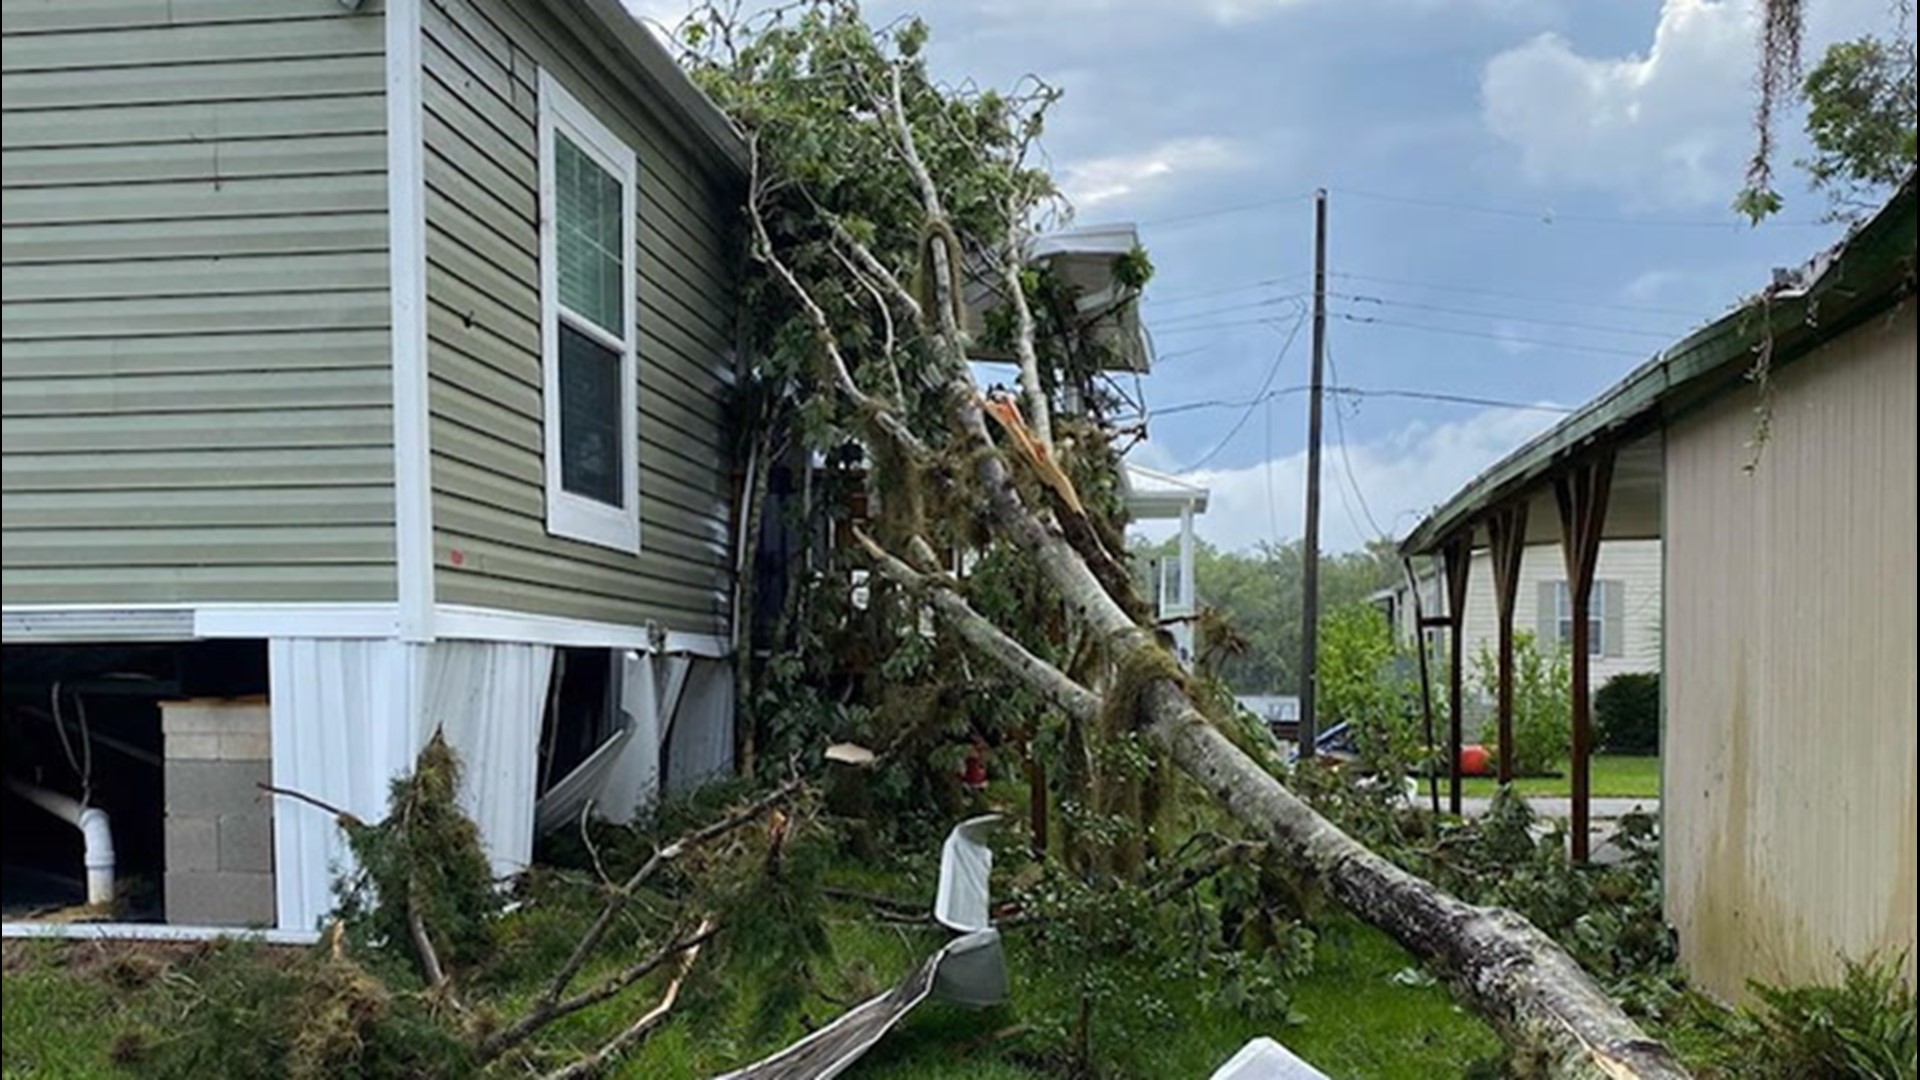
(1527, 199)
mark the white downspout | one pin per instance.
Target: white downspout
(96, 833)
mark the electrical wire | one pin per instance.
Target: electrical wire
(1531, 298)
(1212, 294)
(1346, 459)
(1259, 396)
(1372, 320)
(1387, 301)
(1223, 211)
(1367, 392)
(1271, 301)
(1549, 216)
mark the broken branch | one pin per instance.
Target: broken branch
(593, 1063)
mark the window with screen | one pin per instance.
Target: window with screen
(587, 282)
(1596, 617)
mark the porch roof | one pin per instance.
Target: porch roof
(1151, 494)
(1865, 273)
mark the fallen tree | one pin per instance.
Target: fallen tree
(882, 208)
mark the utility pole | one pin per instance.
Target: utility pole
(1310, 572)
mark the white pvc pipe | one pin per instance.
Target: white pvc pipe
(96, 833)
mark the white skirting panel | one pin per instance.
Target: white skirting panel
(343, 728)
(350, 715)
(488, 698)
(700, 742)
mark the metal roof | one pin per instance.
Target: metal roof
(1864, 274)
(1150, 493)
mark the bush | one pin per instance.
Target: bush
(1626, 714)
(1860, 1029)
(1542, 704)
(1364, 682)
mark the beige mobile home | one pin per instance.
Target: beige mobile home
(365, 368)
(1785, 510)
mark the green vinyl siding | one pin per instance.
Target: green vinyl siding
(491, 546)
(197, 393)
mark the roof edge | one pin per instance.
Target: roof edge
(683, 97)
(1867, 271)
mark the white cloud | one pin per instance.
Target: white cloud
(1400, 479)
(1092, 181)
(1665, 128)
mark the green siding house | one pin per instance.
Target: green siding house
(366, 368)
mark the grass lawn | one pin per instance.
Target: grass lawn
(1614, 777)
(64, 1009)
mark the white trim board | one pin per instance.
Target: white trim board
(117, 931)
(407, 307)
(492, 624)
(87, 623)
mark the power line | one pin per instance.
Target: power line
(1546, 216)
(1371, 320)
(1157, 300)
(1266, 383)
(1228, 325)
(1532, 298)
(1222, 211)
(1346, 459)
(1366, 392)
(1549, 216)
(1271, 301)
(1663, 335)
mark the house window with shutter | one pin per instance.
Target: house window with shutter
(587, 300)
(1605, 633)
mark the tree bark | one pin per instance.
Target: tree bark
(1557, 1019)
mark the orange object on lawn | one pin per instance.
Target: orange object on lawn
(1475, 761)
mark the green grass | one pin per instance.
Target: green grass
(53, 1017)
(1613, 777)
(63, 1014)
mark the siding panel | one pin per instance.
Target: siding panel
(1790, 711)
(482, 59)
(196, 393)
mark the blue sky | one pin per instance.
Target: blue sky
(1528, 197)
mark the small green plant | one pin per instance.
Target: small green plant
(1542, 707)
(1626, 714)
(1861, 1028)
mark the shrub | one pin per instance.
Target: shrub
(1861, 1028)
(1363, 681)
(1626, 714)
(1542, 704)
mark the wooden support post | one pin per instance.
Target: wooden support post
(1426, 685)
(1507, 535)
(1457, 553)
(1581, 493)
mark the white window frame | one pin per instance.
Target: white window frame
(579, 517)
(1596, 617)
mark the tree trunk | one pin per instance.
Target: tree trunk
(1557, 1019)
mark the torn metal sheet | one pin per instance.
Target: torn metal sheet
(969, 970)
(966, 860)
(1264, 1059)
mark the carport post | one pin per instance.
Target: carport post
(1581, 493)
(1507, 535)
(1457, 553)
